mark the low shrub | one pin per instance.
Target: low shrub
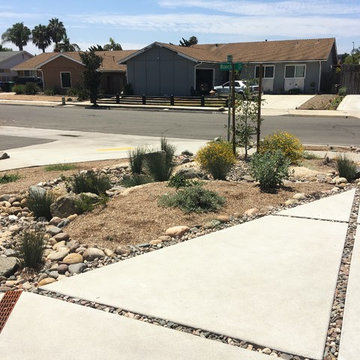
(49, 91)
(39, 203)
(269, 169)
(310, 155)
(84, 204)
(180, 181)
(287, 143)
(31, 88)
(136, 179)
(161, 164)
(217, 158)
(7, 178)
(295, 91)
(31, 248)
(342, 91)
(346, 168)
(193, 199)
(137, 160)
(60, 167)
(90, 182)
(19, 89)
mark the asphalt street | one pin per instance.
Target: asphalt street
(337, 130)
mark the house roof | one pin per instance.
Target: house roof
(262, 51)
(5, 55)
(110, 60)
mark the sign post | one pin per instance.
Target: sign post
(259, 109)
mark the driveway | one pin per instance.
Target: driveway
(351, 103)
(284, 102)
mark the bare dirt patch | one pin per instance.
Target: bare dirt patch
(318, 102)
(137, 218)
(12, 96)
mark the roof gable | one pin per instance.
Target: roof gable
(7, 55)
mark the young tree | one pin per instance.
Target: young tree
(41, 37)
(18, 34)
(65, 45)
(354, 58)
(57, 31)
(192, 41)
(247, 108)
(91, 74)
(112, 45)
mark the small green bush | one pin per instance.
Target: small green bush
(295, 91)
(342, 91)
(7, 178)
(31, 248)
(287, 143)
(136, 179)
(346, 168)
(49, 92)
(137, 160)
(39, 203)
(270, 169)
(60, 167)
(90, 182)
(161, 164)
(180, 181)
(84, 204)
(19, 89)
(31, 88)
(193, 199)
(217, 158)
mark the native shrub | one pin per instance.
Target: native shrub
(7, 178)
(288, 144)
(31, 248)
(270, 169)
(137, 160)
(39, 203)
(90, 182)
(217, 158)
(346, 168)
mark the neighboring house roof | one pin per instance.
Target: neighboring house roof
(110, 60)
(263, 51)
(6, 55)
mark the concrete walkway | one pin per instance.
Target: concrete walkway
(270, 281)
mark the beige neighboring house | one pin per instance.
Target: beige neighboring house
(10, 59)
(63, 70)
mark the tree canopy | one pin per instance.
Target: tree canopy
(41, 37)
(107, 47)
(192, 41)
(91, 75)
(57, 31)
(65, 45)
(354, 58)
(18, 34)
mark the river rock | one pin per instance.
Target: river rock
(177, 231)
(93, 253)
(61, 237)
(122, 250)
(73, 258)
(251, 212)
(8, 265)
(299, 196)
(53, 230)
(76, 268)
(64, 206)
(58, 255)
(46, 281)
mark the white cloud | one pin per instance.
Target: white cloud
(265, 8)
(265, 27)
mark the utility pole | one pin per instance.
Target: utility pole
(259, 109)
(233, 106)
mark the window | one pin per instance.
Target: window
(268, 71)
(29, 73)
(65, 79)
(295, 71)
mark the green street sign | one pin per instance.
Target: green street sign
(227, 66)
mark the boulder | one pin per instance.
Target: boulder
(177, 231)
(190, 173)
(37, 190)
(64, 206)
(8, 265)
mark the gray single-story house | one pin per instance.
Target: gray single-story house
(165, 69)
(9, 59)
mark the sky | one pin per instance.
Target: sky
(138, 23)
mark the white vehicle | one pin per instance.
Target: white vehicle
(239, 87)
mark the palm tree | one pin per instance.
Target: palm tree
(96, 48)
(112, 46)
(192, 41)
(18, 34)
(65, 45)
(41, 37)
(57, 31)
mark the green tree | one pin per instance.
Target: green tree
(18, 34)
(5, 48)
(112, 45)
(65, 45)
(247, 108)
(41, 37)
(57, 31)
(192, 41)
(354, 58)
(96, 48)
(91, 75)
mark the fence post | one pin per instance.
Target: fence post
(144, 99)
(172, 102)
(117, 99)
(202, 100)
